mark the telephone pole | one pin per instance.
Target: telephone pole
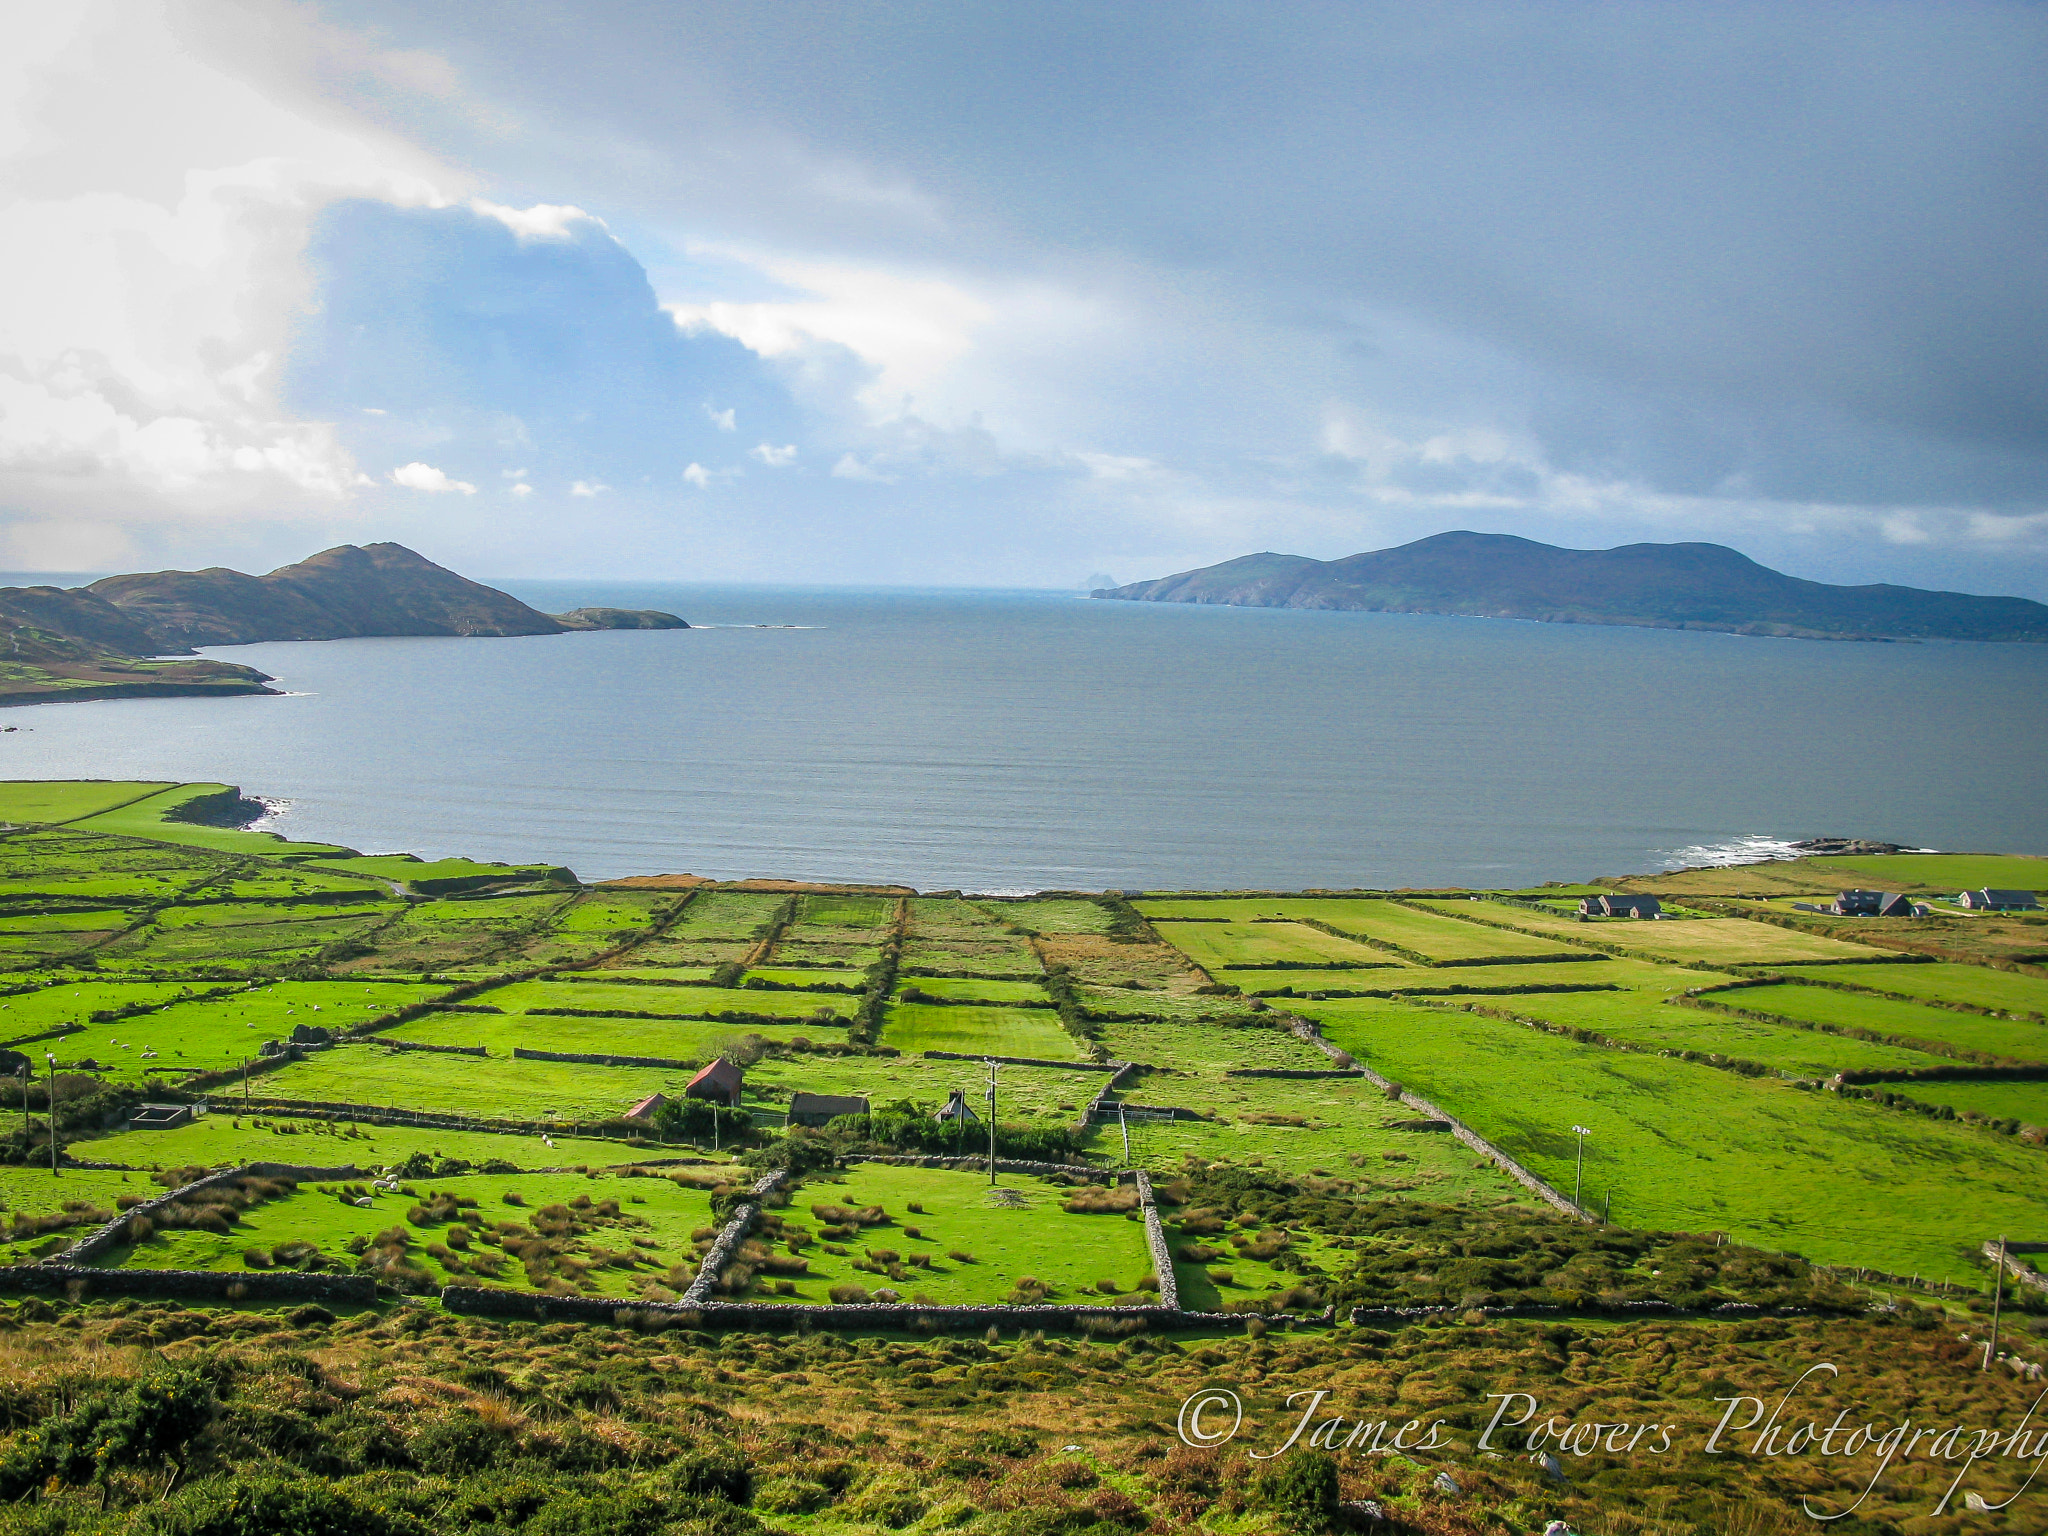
(992, 1067)
(1579, 1172)
(53, 1112)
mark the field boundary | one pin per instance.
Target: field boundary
(1031, 1061)
(103, 1237)
(729, 1238)
(595, 1059)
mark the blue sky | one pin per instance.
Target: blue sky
(1020, 294)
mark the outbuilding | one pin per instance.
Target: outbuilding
(957, 1109)
(817, 1108)
(721, 1082)
(648, 1107)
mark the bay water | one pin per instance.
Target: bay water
(1023, 740)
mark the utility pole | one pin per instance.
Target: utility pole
(1579, 1174)
(22, 1073)
(53, 1112)
(991, 1120)
(1997, 1297)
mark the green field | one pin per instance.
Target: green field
(226, 1139)
(636, 1249)
(1942, 871)
(1050, 1094)
(977, 1031)
(1217, 946)
(213, 1033)
(1714, 940)
(2017, 1039)
(1209, 1048)
(1635, 1018)
(978, 990)
(1690, 1148)
(669, 1039)
(1438, 933)
(1000, 1244)
(806, 977)
(70, 800)
(74, 1002)
(2024, 1102)
(1941, 981)
(675, 1002)
(493, 1088)
(151, 817)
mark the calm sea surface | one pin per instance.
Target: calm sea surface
(1027, 740)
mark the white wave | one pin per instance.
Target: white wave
(1750, 848)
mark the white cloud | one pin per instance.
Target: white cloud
(851, 468)
(698, 476)
(588, 488)
(723, 420)
(1113, 466)
(522, 490)
(773, 457)
(513, 474)
(543, 221)
(148, 280)
(424, 477)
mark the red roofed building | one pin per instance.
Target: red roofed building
(720, 1082)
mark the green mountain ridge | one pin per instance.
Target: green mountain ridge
(1659, 586)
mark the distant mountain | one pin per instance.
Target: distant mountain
(1659, 586)
(60, 643)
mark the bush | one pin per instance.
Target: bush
(1301, 1490)
(273, 1507)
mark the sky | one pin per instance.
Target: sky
(1009, 294)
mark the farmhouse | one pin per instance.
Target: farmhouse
(721, 1082)
(1872, 904)
(648, 1107)
(1620, 906)
(817, 1108)
(1999, 901)
(956, 1110)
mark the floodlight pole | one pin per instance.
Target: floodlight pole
(52, 1060)
(991, 1065)
(1997, 1297)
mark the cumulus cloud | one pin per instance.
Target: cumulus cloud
(149, 279)
(588, 488)
(723, 420)
(424, 477)
(543, 221)
(522, 490)
(698, 476)
(851, 468)
(773, 457)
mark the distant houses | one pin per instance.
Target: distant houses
(818, 1108)
(1620, 906)
(648, 1107)
(1999, 901)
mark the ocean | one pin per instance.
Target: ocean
(1006, 741)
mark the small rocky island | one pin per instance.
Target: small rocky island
(134, 636)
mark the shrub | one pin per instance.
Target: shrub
(1301, 1491)
(849, 1295)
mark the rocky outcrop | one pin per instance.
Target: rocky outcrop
(618, 618)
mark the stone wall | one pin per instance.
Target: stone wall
(591, 1059)
(1029, 1061)
(256, 1287)
(1155, 1239)
(729, 1239)
(444, 1050)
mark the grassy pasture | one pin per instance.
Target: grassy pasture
(71, 799)
(1689, 1148)
(727, 916)
(213, 1033)
(1949, 872)
(1214, 946)
(1024, 1093)
(226, 1139)
(1068, 1252)
(1209, 1049)
(2019, 1039)
(1008, 959)
(439, 874)
(74, 1002)
(806, 976)
(1638, 1019)
(1943, 981)
(634, 969)
(494, 1087)
(1235, 1278)
(1439, 934)
(177, 940)
(978, 990)
(1714, 940)
(674, 1002)
(853, 915)
(978, 1031)
(594, 923)
(2024, 1102)
(665, 1211)
(1052, 915)
(673, 1039)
